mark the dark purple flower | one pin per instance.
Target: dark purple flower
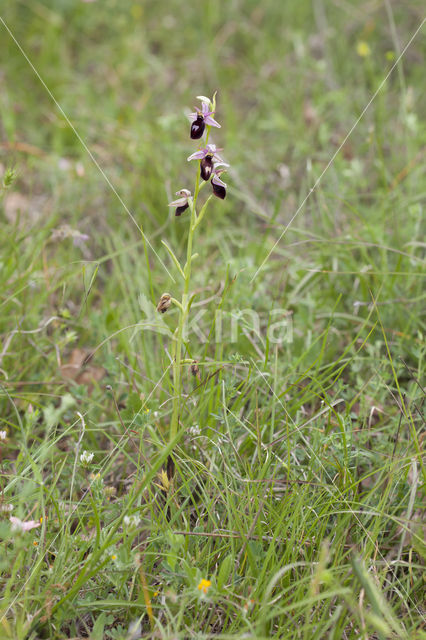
(208, 156)
(219, 186)
(200, 118)
(181, 203)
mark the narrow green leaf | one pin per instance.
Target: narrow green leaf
(381, 609)
(173, 257)
(224, 571)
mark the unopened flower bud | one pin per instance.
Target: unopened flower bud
(195, 370)
(164, 303)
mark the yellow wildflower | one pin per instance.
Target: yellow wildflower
(363, 49)
(204, 585)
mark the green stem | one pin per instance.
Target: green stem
(177, 352)
(177, 363)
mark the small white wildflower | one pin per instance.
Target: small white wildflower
(131, 522)
(3, 435)
(86, 457)
(6, 508)
(79, 169)
(134, 631)
(195, 430)
(64, 164)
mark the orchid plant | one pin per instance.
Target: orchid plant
(210, 166)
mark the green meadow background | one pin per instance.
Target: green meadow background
(299, 486)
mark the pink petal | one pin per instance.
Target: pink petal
(198, 155)
(19, 525)
(210, 121)
(31, 524)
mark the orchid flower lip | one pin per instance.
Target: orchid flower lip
(198, 126)
(206, 166)
(219, 187)
(180, 210)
